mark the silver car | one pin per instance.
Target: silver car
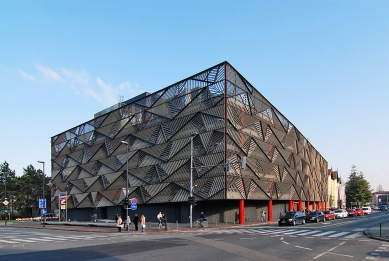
(341, 213)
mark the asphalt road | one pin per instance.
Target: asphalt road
(331, 240)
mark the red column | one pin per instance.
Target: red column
(270, 210)
(307, 206)
(300, 205)
(241, 212)
(326, 204)
(319, 205)
(313, 205)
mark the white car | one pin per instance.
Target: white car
(366, 210)
(341, 213)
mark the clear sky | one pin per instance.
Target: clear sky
(323, 64)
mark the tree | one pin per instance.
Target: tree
(357, 188)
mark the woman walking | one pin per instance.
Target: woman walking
(119, 224)
(143, 223)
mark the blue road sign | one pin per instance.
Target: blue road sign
(44, 211)
(42, 203)
(133, 206)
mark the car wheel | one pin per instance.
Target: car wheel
(303, 222)
(317, 220)
(324, 219)
(294, 222)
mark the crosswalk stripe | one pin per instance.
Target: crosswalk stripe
(294, 232)
(23, 240)
(55, 238)
(324, 233)
(39, 239)
(339, 234)
(308, 233)
(354, 235)
(8, 241)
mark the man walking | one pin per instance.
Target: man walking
(263, 216)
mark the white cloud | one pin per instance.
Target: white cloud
(27, 76)
(48, 73)
(109, 94)
(76, 77)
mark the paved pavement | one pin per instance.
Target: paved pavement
(379, 232)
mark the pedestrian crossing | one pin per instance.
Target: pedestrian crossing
(45, 239)
(284, 232)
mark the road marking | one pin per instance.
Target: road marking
(8, 241)
(370, 257)
(339, 234)
(359, 229)
(304, 248)
(339, 254)
(40, 239)
(355, 235)
(324, 233)
(285, 242)
(24, 240)
(308, 233)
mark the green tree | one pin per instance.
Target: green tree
(357, 188)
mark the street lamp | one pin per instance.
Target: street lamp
(191, 176)
(126, 200)
(43, 189)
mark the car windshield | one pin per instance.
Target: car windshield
(338, 211)
(313, 213)
(326, 212)
(350, 210)
(289, 214)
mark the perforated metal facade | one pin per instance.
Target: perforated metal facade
(233, 120)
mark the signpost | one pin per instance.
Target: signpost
(5, 203)
(62, 198)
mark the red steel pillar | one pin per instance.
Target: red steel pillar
(319, 205)
(300, 206)
(241, 212)
(270, 210)
(291, 205)
(313, 205)
(307, 206)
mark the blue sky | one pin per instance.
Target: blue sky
(323, 64)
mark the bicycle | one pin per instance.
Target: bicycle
(197, 223)
(163, 226)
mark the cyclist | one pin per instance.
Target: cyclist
(202, 218)
(159, 217)
(164, 221)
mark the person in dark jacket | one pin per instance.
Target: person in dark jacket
(136, 220)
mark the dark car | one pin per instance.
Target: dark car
(329, 214)
(384, 207)
(351, 213)
(316, 216)
(292, 218)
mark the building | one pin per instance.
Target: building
(233, 121)
(380, 198)
(334, 182)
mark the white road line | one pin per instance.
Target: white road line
(308, 233)
(40, 239)
(339, 234)
(324, 233)
(24, 240)
(294, 232)
(304, 248)
(8, 241)
(54, 238)
(355, 235)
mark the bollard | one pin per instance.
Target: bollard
(380, 229)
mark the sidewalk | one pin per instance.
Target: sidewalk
(377, 232)
(110, 226)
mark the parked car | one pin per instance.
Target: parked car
(341, 213)
(384, 207)
(292, 218)
(329, 214)
(315, 216)
(351, 213)
(376, 208)
(366, 210)
(359, 211)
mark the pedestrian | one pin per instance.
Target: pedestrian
(164, 221)
(119, 224)
(143, 223)
(202, 218)
(159, 217)
(263, 216)
(136, 220)
(117, 217)
(127, 223)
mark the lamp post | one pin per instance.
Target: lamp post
(191, 177)
(43, 189)
(126, 200)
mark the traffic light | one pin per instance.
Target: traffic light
(6, 209)
(126, 201)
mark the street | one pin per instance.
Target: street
(340, 239)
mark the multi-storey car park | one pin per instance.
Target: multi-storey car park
(153, 133)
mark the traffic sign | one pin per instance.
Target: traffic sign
(134, 206)
(63, 195)
(42, 203)
(44, 211)
(5, 202)
(134, 201)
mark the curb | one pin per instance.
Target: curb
(366, 232)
